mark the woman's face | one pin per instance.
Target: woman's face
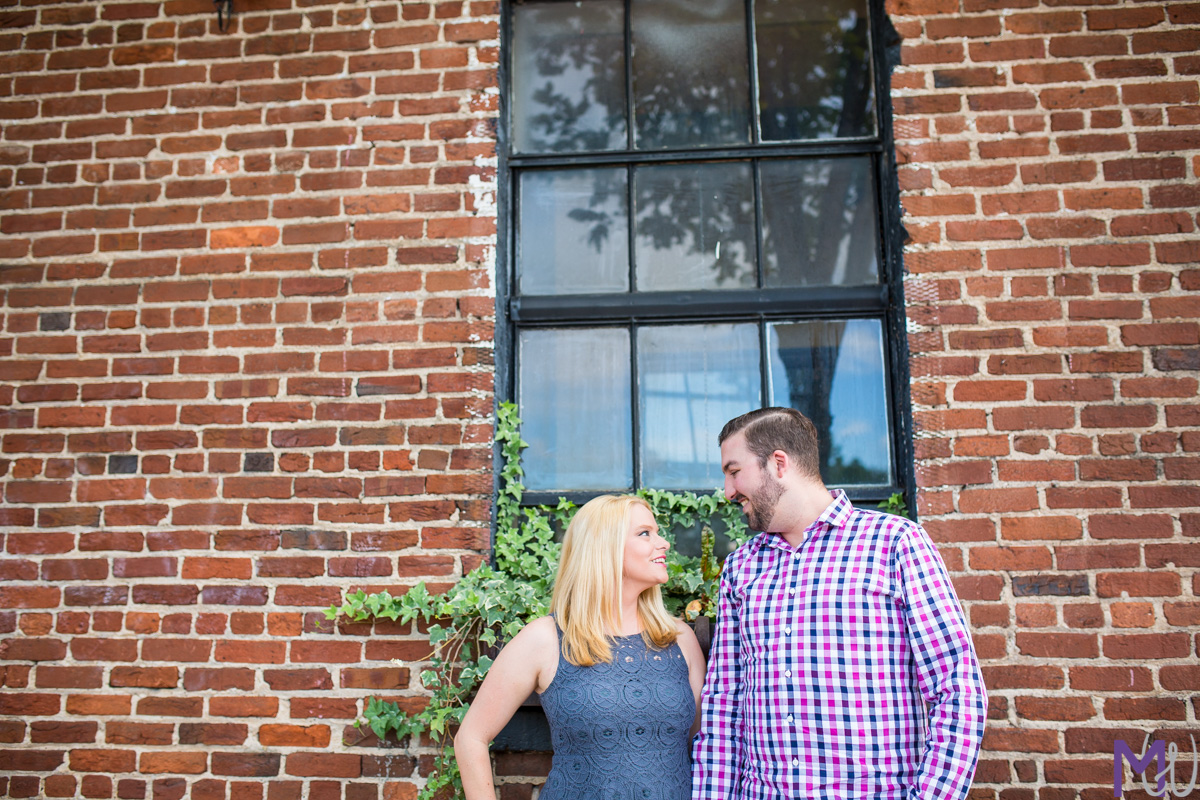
(645, 551)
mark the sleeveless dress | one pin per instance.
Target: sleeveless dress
(620, 730)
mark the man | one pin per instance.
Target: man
(841, 664)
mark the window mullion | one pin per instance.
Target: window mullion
(800, 303)
(813, 149)
(635, 392)
(629, 102)
(760, 269)
(631, 238)
(752, 56)
(764, 363)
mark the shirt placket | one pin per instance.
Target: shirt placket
(792, 561)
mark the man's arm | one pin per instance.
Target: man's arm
(948, 674)
(717, 751)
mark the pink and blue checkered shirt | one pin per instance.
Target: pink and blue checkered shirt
(840, 669)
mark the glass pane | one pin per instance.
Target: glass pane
(575, 409)
(695, 226)
(690, 73)
(833, 372)
(819, 223)
(574, 231)
(568, 77)
(814, 69)
(692, 379)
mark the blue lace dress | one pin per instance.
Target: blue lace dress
(620, 730)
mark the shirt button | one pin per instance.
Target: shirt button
(787, 631)
(795, 762)
(789, 717)
(791, 591)
(787, 673)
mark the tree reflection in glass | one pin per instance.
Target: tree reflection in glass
(694, 227)
(568, 77)
(575, 408)
(819, 222)
(691, 380)
(574, 231)
(814, 70)
(690, 73)
(833, 371)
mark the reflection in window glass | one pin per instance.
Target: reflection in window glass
(692, 379)
(833, 372)
(819, 223)
(695, 226)
(690, 73)
(575, 409)
(574, 231)
(568, 76)
(814, 70)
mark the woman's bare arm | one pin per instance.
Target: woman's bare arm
(526, 664)
(695, 661)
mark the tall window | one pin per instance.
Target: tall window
(696, 230)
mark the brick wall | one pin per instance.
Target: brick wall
(247, 285)
(1049, 158)
(246, 365)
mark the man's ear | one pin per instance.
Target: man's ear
(779, 462)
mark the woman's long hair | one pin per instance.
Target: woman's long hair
(587, 591)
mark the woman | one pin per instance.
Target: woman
(619, 678)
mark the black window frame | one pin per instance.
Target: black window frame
(884, 301)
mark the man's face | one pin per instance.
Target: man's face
(748, 483)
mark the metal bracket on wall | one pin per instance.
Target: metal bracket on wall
(224, 13)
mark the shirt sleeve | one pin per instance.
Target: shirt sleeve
(716, 751)
(948, 674)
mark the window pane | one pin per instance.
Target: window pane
(692, 379)
(819, 223)
(575, 409)
(695, 226)
(833, 373)
(568, 77)
(573, 231)
(690, 73)
(814, 69)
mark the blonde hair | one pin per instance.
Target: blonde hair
(587, 590)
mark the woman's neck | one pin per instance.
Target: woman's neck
(630, 623)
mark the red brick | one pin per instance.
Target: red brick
(327, 765)
(1146, 584)
(294, 736)
(1074, 709)
(1023, 676)
(1130, 526)
(1058, 645)
(1149, 708)
(1147, 646)
(1176, 678)
(1083, 497)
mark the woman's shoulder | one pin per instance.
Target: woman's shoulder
(686, 639)
(538, 635)
(542, 627)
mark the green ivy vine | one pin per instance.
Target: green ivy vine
(493, 602)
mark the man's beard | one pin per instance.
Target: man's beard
(763, 502)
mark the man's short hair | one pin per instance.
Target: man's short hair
(775, 428)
